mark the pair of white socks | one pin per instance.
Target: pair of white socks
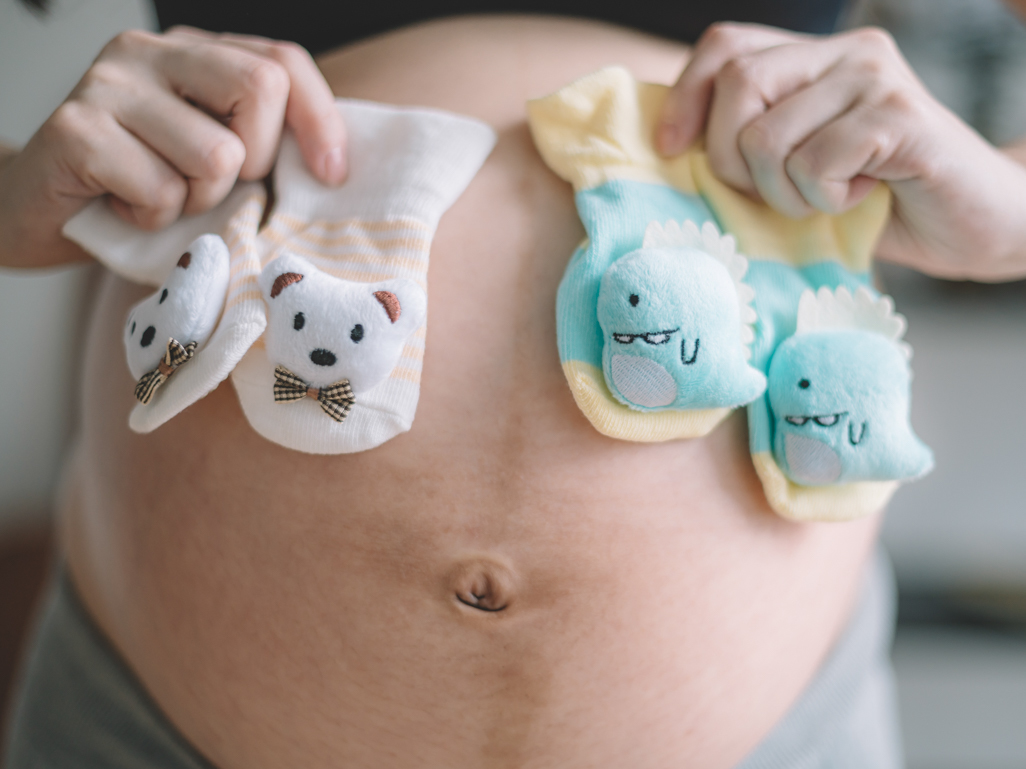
(333, 289)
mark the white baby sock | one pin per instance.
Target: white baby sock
(184, 340)
(341, 273)
(369, 238)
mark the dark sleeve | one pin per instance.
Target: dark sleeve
(320, 25)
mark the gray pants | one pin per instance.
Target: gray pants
(81, 707)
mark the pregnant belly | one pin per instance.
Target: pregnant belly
(501, 586)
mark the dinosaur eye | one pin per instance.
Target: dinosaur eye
(660, 338)
(624, 338)
(827, 421)
(299, 321)
(634, 300)
(163, 296)
(804, 384)
(357, 333)
(799, 421)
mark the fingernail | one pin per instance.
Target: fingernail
(335, 166)
(669, 139)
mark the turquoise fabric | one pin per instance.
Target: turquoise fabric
(665, 330)
(615, 215)
(837, 406)
(841, 402)
(778, 288)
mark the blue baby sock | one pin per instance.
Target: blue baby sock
(657, 334)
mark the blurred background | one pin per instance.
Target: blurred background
(958, 538)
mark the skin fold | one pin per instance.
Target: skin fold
(500, 587)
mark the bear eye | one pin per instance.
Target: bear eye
(299, 321)
(163, 296)
(357, 333)
(133, 329)
(804, 384)
(634, 300)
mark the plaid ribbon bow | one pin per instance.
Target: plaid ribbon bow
(174, 356)
(336, 399)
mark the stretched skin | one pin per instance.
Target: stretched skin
(319, 611)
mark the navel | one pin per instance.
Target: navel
(483, 583)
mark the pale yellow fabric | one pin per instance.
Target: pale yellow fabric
(843, 502)
(611, 418)
(600, 127)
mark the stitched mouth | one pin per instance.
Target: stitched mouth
(832, 420)
(653, 338)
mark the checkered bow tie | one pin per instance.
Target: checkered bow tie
(174, 356)
(336, 399)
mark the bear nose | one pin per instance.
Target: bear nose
(323, 357)
(147, 336)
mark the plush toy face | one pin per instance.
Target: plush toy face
(324, 329)
(840, 401)
(671, 324)
(185, 308)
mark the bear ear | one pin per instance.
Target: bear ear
(185, 260)
(283, 281)
(391, 304)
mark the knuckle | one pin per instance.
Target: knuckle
(291, 54)
(168, 195)
(74, 132)
(129, 41)
(267, 78)
(103, 74)
(224, 158)
(70, 119)
(738, 73)
(804, 168)
(876, 40)
(760, 139)
(721, 34)
(899, 101)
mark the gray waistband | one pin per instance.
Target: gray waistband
(847, 718)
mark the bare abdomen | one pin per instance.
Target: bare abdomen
(499, 587)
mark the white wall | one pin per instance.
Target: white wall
(41, 59)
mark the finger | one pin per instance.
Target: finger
(311, 111)
(205, 152)
(745, 88)
(834, 169)
(768, 141)
(247, 90)
(686, 107)
(105, 158)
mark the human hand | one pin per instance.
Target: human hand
(812, 123)
(164, 125)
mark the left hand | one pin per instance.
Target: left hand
(812, 123)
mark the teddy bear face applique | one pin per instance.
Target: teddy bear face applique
(324, 330)
(163, 330)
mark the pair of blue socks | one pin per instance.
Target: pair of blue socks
(688, 300)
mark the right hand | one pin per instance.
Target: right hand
(164, 125)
